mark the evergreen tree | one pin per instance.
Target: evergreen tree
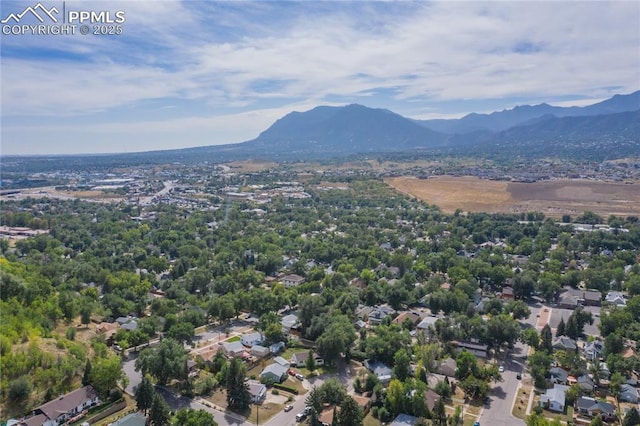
(439, 415)
(314, 400)
(545, 339)
(632, 418)
(144, 395)
(350, 413)
(86, 376)
(238, 396)
(311, 361)
(159, 412)
(572, 329)
(560, 331)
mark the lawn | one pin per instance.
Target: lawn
(261, 414)
(233, 339)
(522, 400)
(370, 421)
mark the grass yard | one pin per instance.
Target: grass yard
(261, 414)
(370, 421)
(233, 339)
(522, 400)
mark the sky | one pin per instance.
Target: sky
(194, 73)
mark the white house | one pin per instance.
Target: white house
(300, 359)
(61, 409)
(615, 298)
(292, 280)
(555, 398)
(283, 362)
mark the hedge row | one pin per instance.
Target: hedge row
(286, 388)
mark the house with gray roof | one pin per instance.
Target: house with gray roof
(274, 372)
(564, 343)
(554, 398)
(628, 393)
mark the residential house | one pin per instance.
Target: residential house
(251, 339)
(274, 372)
(277, 347)
(299, 359)
(554, 398)
(628, 393)
(292, 280)
(289, 322)
(585, 383)
(382, 371)
(283, 362)
(615, 298)
(431, 398)
(233, 348)
(507, 294)
(257, 390)
(559, 375)
(259, 351)
(571, 298)
(412, 317)
(404, 420)
(447, 367)
(478, 349)
(128, 323)
(379, 313)
(133, 419)
(593, 407)
(63, 408)
(326, 416)
(564, 343)
(593, 350)
(428, 321)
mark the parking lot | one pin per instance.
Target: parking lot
(589, 330)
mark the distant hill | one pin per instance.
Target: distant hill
(605, 136)
(345, 130)
(503, 120)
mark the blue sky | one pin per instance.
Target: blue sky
(193, 73)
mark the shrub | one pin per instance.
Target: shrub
(286, 388)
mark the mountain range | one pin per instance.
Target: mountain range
(610, 128)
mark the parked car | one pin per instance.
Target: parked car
(518, 376)
(288, 408)
(501, 369)
(300, 417)
(299, 376)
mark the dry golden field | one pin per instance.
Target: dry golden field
(553, 198)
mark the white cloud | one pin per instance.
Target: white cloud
(248, 56)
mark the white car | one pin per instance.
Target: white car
(299, 377)
(501, 369)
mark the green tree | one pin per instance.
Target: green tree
(401, 369)
(19, 389)
(86, 376)
(336, 339)
(166, 362)
(144, 395)
(439, 415)
(632, 418)
(310, 364)
(467, 365)
(314, 400)
(105, 374)
(190, 417)
(560, 330)
(182, 332)
(597, 421)
(546, 338)
(530, 337)
(350, 413)
(238, 396)
(159, 412)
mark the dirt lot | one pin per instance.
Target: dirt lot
(553, 198)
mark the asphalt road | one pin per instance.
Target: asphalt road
(502, 395)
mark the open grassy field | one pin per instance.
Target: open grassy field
(554, 198)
